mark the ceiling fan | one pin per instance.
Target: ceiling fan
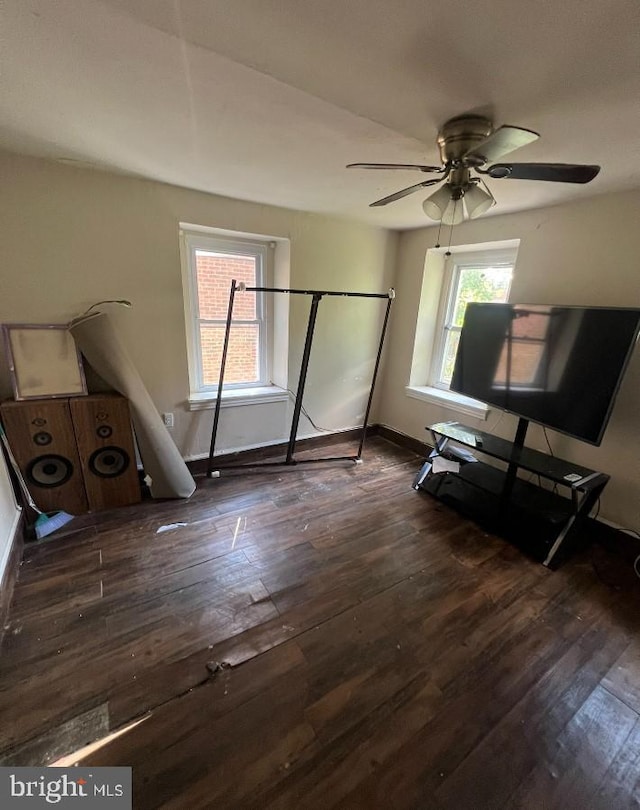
(469, 143)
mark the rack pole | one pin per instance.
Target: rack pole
(317, 297)
(375, 375)
(223, 363)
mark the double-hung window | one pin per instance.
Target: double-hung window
(211, 263)
(484, 277)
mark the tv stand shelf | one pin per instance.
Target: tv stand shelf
(501, 500)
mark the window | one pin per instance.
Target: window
(468, 277)
(449, 283)
(210, 264)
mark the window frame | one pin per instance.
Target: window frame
(454, 264)
(191, 243)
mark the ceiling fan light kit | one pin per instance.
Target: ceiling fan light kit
(468, 143)
(453, 213)
(449, 204)
(435, 205)
(478, 201)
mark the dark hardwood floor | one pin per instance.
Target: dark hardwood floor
(321, 637)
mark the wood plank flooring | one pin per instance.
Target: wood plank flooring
(323, 637)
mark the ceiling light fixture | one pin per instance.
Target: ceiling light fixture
(451, 202)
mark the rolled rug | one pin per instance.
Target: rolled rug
(99, 343)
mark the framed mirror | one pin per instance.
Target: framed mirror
(44, 361)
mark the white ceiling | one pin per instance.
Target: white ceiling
(267, 100)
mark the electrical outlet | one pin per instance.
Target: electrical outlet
(167, 418)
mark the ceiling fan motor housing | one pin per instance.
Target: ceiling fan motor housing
(462, 134)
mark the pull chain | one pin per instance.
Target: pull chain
(438, 236)
(453, 219)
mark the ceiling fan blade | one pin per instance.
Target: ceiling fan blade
(412, 166)
(404, 193)
(552, 172)
(504, 140)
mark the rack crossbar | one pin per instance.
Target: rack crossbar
(389, 294)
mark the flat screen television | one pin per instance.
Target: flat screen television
(555, 365)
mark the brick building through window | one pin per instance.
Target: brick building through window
(213, 263)
(214, 273)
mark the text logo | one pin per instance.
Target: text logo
(31, 788)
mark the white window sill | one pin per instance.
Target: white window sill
(237, 396)
(448, 399)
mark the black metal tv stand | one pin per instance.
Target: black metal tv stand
(544, 519)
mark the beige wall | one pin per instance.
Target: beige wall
(71, 237)
(586, 252)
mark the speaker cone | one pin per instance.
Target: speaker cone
(104, 431)
(108, 462)
(49, 471)
(42, 437)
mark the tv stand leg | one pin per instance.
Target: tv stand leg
(574, 523)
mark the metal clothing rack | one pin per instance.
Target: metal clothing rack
(317, 296)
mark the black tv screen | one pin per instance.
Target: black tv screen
(559, 366)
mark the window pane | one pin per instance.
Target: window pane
(449, 358)
(528, 351)
(532, 325)
(215, 272)
(524, 366)
(483, 284)
(242, 355)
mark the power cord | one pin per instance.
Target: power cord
(306, 413)
(544, 430)
(122, 302)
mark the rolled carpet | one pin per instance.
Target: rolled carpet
(99, 343)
